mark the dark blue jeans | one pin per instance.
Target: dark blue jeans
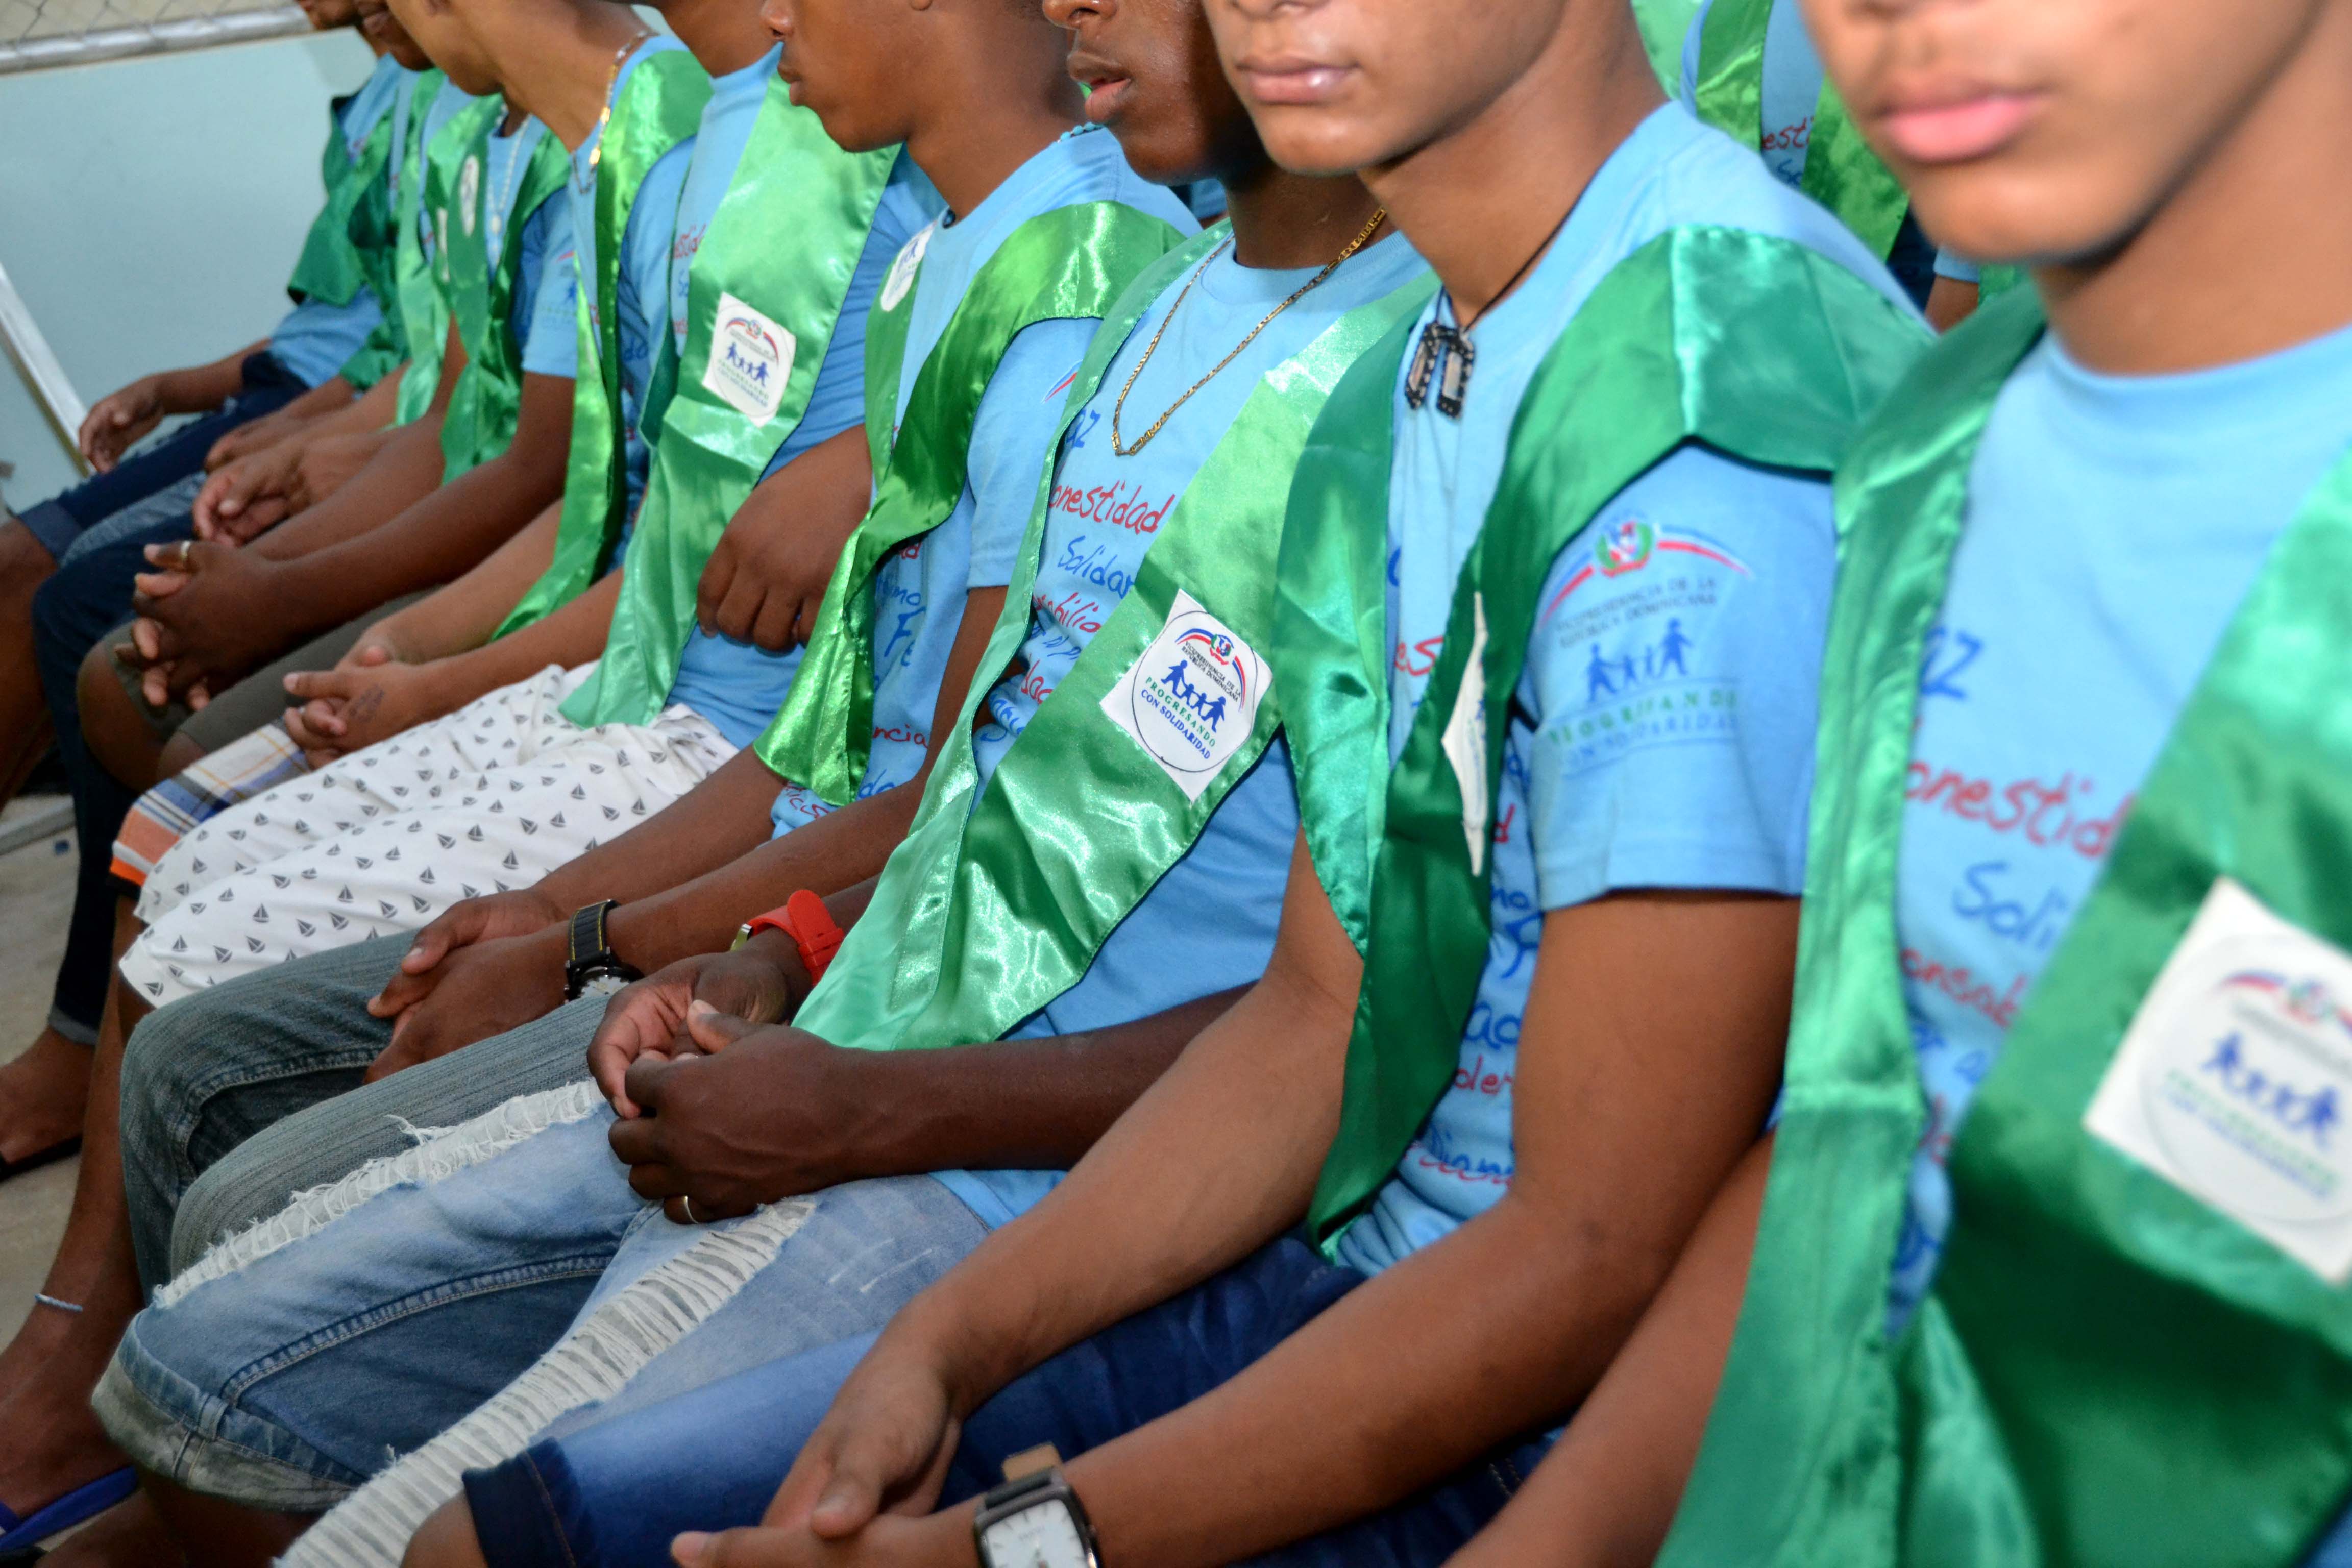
(59, 521)
(612, 1496)
(83, 601)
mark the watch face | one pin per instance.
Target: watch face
(1042, 1536)
(602, 984)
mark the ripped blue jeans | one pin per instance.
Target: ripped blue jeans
(502, 1276)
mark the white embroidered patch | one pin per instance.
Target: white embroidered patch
(2234, 1080)
(469, 193)
(750, 359)
(1465, 742)
(1192, 699)
(902, 271)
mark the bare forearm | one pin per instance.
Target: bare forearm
(461, 617)
(439, 538)
(329, 397)
(404, 470)
(740, 871)
(1365, 1405)
(1606, 1496)
(374, 409)
(1017, 1105)
(200, 388)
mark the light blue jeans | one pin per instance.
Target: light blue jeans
(287, 1369)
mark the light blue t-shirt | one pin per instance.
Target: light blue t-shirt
(1661, 733)
(1209, 924)
(737, 686)
(316, 339)
(2114, 523)
(1792, 86)
(919, 591)
(547, 275)
(642, 290)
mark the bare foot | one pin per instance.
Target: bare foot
(50, 1441)
(131, 1534)
(43, 1094)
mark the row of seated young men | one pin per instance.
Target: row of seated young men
(946, 804)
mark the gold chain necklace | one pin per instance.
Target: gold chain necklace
(604, 116)
(1117, 444)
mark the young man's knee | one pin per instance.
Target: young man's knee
(25, 563)
(113, 725)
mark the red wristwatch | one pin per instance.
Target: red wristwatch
(811, 926)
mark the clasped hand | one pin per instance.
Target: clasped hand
(863, 1489)
(207, 616)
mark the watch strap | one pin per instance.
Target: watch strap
(1023, 1492)
(588, 940)
(812, 927)
(590, 954)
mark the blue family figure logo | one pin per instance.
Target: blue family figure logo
(1672, 646)
(1212, 710)
(1599, 677)
(2312, 1115)
(751, 350)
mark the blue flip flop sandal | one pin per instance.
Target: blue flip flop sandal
(83, 1502)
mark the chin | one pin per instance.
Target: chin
(2019, 221)
(1319, 142)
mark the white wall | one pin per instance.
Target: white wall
(149, 211)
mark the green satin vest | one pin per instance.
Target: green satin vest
(657, 106)
(1071, 263)
(779, 252)
(2106, 1371)
(480, 421)
(993, 907)
(330, 268)
(423, 307)
(380, 223)
(1840, 171)
(1755, 346)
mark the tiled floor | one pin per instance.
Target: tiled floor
(36, 895)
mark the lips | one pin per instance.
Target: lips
(1289, 79)
(1108, 85)
(1953, 124)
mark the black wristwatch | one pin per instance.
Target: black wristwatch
(594, 969)
(1036, 1522)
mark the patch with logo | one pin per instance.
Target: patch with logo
(470, 191)
(2234, 1080)
(910, 260)
(1192, 699)
(750, 359)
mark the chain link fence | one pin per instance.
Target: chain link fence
(39, 33)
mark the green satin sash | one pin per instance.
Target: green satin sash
(1071, 263)
(329, 268)
(480, 421)
(377, 226)
(424, 306)
(657, 106)
(1755, 346)
(376, 241)
(2106, 1371)
(990, 910)
(784, 242)
(1840, 171)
